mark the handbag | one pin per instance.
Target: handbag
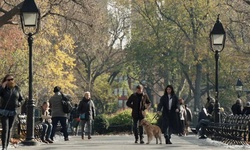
(4, 112)
(82, 116)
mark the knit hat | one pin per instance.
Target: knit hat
(57, 89)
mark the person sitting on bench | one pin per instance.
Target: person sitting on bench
(46, 123)
(203, 121)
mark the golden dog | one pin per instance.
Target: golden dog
(151, 130)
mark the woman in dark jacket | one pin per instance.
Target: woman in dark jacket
(86, 109)
(169, 106)
(11, 98)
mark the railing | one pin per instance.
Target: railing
(234, 130)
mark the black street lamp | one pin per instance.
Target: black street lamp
(30, 19)
(239, 87)
(217, 43)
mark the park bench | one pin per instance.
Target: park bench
(22, 126)
(234, 130)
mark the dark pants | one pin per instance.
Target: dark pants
(63, 122)
(170, 122)
(7, 123)
(74, 126)
(182, 127)
(168, 132)
(202, 125)
(47, 129)
(135, 128)
(89, 126)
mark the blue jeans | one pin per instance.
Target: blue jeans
(201, 125)
(63, 122)
(47, 129)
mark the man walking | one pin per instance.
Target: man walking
(139, 102)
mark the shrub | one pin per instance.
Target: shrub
(101, 124)
(120, 121)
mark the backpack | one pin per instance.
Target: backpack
(66, 105)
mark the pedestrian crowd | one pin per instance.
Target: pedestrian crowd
(175, 114)
(81, 114)
(52, 114)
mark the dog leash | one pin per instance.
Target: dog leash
(156, 115)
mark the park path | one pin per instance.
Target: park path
(126, 142)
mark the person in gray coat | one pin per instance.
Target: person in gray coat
(57, 113)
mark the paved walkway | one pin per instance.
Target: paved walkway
(126, 142)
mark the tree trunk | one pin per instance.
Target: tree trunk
(197, 92)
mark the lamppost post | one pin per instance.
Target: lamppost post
(217, 104)
(30, 19)
(217, 43)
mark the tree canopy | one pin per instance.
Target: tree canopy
(83, 45)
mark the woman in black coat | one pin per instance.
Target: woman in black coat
(86, 109)
(169, 106)
(11, 97)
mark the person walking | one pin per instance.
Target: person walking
(189, 118)
(46, 123)
(57, 114)
(74, 120)
(237, 107)
(11, 98)
(86, 109)
(182, 117)
(169, 106)
(139, 102)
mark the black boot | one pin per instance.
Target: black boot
(141, 139)
(136, 140)
(169, 142)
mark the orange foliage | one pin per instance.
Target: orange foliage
(11, 38)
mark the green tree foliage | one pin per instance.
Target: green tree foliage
(105, 100)
(175, 47)
(82, 45)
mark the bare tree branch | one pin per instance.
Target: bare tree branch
(5, 19)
